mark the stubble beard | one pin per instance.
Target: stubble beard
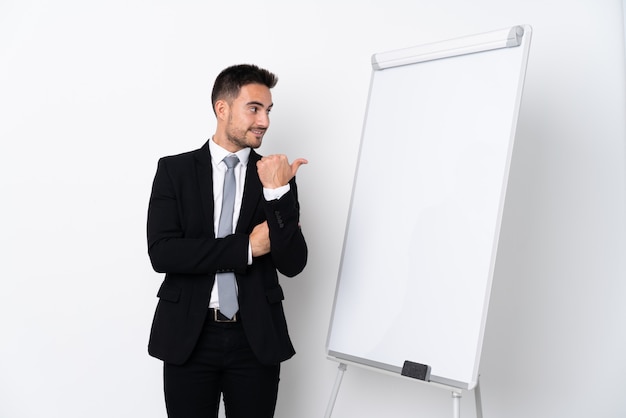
(239, 139)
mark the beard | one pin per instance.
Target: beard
(239, 137)
(241, 141)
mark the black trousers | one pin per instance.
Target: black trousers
(222, 363)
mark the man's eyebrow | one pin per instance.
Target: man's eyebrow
(260, 104)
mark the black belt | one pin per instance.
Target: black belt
(216, 316)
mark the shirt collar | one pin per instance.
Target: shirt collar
(218, 153)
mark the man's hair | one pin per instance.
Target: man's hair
(231, 79)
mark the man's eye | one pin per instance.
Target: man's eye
(254, 109)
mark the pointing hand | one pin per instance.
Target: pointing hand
(275, 170)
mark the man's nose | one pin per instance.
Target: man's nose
(263, 119)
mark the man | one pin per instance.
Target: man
(206, 352)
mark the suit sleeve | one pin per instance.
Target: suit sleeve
(288, 247)
(175, 246)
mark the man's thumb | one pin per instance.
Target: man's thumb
(296, 165)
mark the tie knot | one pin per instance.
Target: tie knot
(231, 161)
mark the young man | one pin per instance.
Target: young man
(211, 343)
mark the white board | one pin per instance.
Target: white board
(426, 207)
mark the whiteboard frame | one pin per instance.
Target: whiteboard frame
(515, 36)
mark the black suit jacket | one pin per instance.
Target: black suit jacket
(182, 244)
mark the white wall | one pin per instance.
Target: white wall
(92, 93)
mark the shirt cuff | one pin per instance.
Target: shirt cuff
(249, 253)
(275, 194)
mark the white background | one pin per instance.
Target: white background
(93, 93)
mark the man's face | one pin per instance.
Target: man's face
(248, 116)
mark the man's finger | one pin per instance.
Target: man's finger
(296, 164)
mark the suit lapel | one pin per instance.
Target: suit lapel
(251, 195)
(204, 174)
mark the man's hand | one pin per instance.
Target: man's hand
(260, 240)
(275, 170)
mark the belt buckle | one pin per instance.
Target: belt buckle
(216, 317)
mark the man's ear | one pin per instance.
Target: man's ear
(221, 109)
